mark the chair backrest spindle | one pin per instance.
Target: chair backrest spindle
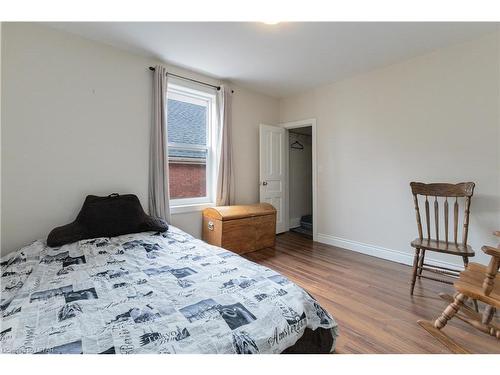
(446, 220)
(417, 213)
(427, 219)
(466, 221)
(455, 224)
(436, 217)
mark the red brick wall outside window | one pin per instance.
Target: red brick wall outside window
(187, 180)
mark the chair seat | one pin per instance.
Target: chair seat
(470, 283)
(443, 247)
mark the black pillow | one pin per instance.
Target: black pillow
(109, 216)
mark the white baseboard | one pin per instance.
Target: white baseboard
(382, 252)
(294, 223)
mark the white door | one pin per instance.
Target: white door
(273, 147)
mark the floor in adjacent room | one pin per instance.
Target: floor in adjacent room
(369, 297)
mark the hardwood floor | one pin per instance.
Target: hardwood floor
(369, 298)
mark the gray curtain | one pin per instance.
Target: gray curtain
(158, 152)
(225, 178)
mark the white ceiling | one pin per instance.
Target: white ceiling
(283, 59)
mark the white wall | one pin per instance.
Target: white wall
(431, 118)
(250, 110)
(300, 178)
(75, 121)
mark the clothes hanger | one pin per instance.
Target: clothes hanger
(297, 145)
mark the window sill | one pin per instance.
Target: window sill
(182, 209)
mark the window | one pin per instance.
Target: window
(191, 151)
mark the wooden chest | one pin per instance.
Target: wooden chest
(240, 229)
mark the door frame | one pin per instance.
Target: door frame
(293, 125)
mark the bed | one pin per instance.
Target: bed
(153, 292)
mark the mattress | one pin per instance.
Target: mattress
(153, 293)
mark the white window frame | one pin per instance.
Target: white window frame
(177, 90)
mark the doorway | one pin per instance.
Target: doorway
(308, 127)
(300, 206)
(274, 164)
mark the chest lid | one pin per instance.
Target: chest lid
(224, 213)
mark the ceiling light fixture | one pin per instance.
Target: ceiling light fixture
(271, 22)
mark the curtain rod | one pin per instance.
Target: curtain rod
(190, 79)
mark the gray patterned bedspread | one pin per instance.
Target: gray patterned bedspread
(149, 293)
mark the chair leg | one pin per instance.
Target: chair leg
(414, 273)
(488, 314)
(450, 311)
(466, 264)
(476, 306)
(421, 262)
(442, 337)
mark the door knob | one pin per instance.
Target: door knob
(264, 183)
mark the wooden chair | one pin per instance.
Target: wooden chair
(456, 193)
(475, 282)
